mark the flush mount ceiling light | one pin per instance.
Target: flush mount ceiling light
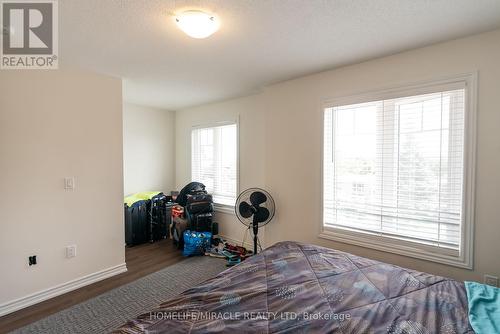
(197, 24)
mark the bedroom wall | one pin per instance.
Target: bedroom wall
(56, 124)
(148, 149)
(291, 118)
(252, 150)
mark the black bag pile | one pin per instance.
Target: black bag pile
(147, 217)
(198, 211)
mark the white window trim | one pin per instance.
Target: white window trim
(222, 208)
(465, 256)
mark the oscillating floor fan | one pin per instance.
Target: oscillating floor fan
(255, 208)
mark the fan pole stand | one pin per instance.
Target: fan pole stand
(255, 227)
(254, 207)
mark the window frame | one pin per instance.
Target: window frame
(223, 208)
(464, 258)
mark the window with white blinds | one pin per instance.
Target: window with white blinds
(214, 161)
(393, 169)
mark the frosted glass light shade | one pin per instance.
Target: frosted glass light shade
(197, 24)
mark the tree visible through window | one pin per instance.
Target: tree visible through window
(395, 168)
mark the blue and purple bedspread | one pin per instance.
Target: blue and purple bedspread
(299, 288)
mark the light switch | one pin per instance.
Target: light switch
(69, 183)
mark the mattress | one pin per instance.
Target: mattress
(299, 288)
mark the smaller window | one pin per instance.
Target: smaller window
(214, 154)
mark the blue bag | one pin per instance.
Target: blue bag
(195, 243)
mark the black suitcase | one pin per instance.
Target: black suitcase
(199, 211)
(160, 215)
(199, 204)
(201, 222)
(136, 223)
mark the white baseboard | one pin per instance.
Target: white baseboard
(40, 296)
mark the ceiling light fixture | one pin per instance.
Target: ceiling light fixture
(197, 24)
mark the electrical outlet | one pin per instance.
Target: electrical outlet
(491, 280)
(71, 251)
(32, 260)
(69, 183)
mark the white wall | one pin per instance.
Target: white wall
(55, 124)
(148, 149)
(288, 116)
(251, 149)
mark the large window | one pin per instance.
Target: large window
(394, 173)
(214, 161)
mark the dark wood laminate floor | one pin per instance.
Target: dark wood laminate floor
(141, 260)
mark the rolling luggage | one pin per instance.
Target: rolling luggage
(201, 222)
(136, 223)
(199, 212)
(160, 216)
(199, 204)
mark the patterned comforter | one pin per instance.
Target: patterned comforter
(299, 288)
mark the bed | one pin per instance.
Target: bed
(299, 288)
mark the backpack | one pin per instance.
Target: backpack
(192, 188)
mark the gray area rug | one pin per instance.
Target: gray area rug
(108, 311)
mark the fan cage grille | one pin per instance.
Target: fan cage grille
(245, 197)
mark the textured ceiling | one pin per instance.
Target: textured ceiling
(259, 42)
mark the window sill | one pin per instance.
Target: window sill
(395, 246)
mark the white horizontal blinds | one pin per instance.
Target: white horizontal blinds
(214, 161)
(395, 167)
